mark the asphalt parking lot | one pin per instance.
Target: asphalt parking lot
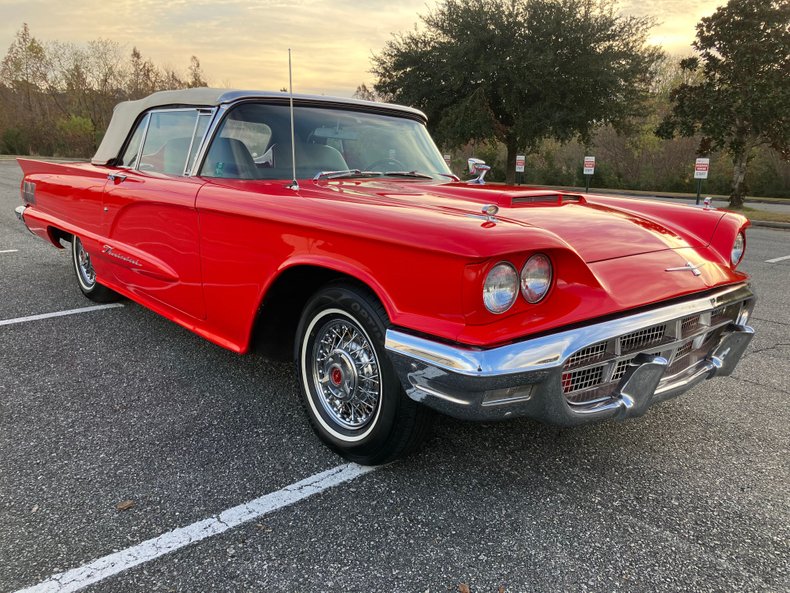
(118, 404)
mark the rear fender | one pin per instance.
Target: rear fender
(42, 226)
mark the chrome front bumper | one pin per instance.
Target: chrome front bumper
(533, 377)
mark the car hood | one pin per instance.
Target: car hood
(596, 229)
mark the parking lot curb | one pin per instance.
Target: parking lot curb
(771, 224)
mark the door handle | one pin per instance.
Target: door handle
(116, 177)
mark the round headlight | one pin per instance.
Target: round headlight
(536, 278)
(500, 288)
(737, 249)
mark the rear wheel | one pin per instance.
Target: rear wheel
(350, 391)
(86, 275)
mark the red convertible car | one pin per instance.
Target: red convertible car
(332, 230)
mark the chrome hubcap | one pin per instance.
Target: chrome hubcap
(346, 374)
(84, 265)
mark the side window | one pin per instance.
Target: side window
(242, 146)
(166, 143)
(254, 135)
(133, 148)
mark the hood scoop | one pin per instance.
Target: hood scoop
(545, 199)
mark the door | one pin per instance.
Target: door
(149, 217)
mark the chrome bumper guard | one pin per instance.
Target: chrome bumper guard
(531, 378)
(20, 211)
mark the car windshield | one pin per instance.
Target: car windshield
(254, 142)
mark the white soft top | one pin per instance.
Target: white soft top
(127, 113)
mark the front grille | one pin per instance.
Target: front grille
(620, 369)
(644, 338)
(601, 392)
(725, 313)
(689, 325)
(593, 373)
(684, 349)
(587, 355)
(580, 380)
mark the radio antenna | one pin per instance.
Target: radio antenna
(294, 184)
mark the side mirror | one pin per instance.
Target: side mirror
(477, 167)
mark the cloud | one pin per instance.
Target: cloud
(244, 42)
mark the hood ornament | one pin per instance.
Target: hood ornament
(490, 211)
(477, 167)
(689, 267)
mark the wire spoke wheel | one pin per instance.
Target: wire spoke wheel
(87, 275)
(353, 398)
(345, 372)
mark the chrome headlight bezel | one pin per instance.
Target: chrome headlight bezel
(496, 285)
(738, 249)
(534, 288)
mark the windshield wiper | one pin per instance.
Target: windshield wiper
(353, 173)
(346, 174)
(415, 174)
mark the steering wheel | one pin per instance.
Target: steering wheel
(386, 165)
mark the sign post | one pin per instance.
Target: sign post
(701, 167)
(520, 162)
(589, 171)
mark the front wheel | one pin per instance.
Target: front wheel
(350, 391)
(86, 275)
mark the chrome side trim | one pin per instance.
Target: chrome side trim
(551, 351)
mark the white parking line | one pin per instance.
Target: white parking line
(112, 564)
(9, 250)
(59, 313)
(777, 259)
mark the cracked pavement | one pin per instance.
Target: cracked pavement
(121, 404)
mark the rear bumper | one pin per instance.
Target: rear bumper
(20, 211)
(535, 377)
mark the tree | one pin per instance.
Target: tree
(24, 65)
(170, 80)
(57, 98)
(144, 77)
(24, 71)
(367, 94)
(519, 71)
(743, 98)
(195, 76)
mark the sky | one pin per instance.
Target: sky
(244, 43)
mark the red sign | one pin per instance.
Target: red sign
(589, 165)
(701, 168)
